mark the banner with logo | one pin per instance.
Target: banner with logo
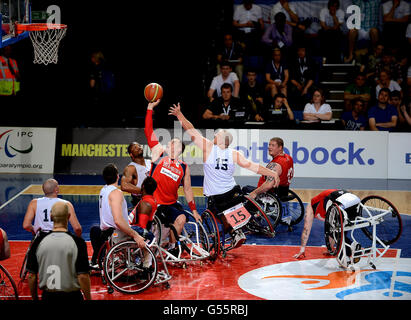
(27, 150)
(399, 156)
(318, 154)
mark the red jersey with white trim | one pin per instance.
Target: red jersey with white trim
(287, 165)
(169, 174)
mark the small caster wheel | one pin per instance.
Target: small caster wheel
(110, 290)
(166, 285)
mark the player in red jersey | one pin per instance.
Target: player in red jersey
(282, 163)
(143, 213)
(169, 172)
(317, 208)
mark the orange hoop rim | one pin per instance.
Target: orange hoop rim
(38, 26)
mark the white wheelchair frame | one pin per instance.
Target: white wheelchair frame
(185, 243)
(373, 253)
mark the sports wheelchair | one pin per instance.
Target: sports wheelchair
(247, 216)
(373, 227)
(286, 209)
(129, 269)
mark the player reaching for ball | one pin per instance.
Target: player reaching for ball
(219, 166)
(169, 171)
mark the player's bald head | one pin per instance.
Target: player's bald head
(50, 186)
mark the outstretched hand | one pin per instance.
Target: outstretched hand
(175, 110)
(151, 105)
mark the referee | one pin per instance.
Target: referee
(58, 262)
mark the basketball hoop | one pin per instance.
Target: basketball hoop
(45, 38)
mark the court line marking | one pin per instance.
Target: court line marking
(13, 198)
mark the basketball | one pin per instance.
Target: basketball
(153, 92)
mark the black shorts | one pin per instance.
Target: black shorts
(168, 213)
(221, 202)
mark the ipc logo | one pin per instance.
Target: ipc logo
(9, 146)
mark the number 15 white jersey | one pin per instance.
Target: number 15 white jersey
(218, 171)
(42, 220)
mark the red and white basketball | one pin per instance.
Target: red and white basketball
(153, 92)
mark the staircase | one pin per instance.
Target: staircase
(334, 78)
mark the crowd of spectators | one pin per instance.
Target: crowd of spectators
(270, 71)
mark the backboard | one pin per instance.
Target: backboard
(12, 11)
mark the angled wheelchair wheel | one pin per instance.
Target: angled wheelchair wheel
(259, 222)
(334, 229)
(390, 225)
(102, 254)
(212, 230)
(271, 206)
(292, 209)
(8, 288)
(129, 269)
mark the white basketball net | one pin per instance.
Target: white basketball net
(46, 44)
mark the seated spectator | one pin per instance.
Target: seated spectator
(405, 117)
(249, 25)
(278, 35)
(357, 90)
(226, 76)
(292, 19)
(389, 64)
(384, 81)
(303, 73)
(227, 107)
(230, 52)
(330, 34)
(354, 120)
(279, 110)
(383, 116)
(317, 110)
(372, 60)
(370, 20)
(396, 101)
(276, 74)
(252, 93)
(396, 14)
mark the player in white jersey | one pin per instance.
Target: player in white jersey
(220, 188)
(135, 172)
(37, 216)
(113, 215)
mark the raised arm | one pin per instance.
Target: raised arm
(152, 140)
(204, 144)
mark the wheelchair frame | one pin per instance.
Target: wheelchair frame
(343, 225)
